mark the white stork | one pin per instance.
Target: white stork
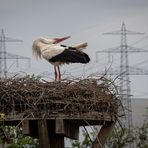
(58, 54)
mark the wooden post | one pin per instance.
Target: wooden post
(103, 134)
(25, 127)
(43, 134)
(59, 126)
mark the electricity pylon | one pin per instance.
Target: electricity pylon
(124, 71)
(4, 55)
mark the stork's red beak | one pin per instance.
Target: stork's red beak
(58, 40)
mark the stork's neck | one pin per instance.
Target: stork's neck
(41, 45)
(44, 45)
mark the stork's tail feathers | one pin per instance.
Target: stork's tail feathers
(81, 46)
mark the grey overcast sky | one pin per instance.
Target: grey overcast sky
(84, 20)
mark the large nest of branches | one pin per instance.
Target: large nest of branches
(67, 97)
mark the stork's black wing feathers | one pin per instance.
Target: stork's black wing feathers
(71, 55)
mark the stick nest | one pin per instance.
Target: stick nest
(68, 97)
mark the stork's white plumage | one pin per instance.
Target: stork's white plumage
(57, 54)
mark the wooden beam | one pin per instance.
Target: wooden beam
(43, 134)
(67, 128)
(59, 125)
(103, 134)
(25, 127)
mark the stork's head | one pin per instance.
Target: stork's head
(58, 40)
(41, 42)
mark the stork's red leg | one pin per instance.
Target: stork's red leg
(59, 73)
(55, 73)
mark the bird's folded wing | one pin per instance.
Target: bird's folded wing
(72, 56)
(80, 46)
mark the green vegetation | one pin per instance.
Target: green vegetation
(13, 135)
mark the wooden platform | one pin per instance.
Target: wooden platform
(54, 110)
(52, 130)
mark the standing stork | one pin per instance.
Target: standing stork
(58, 54)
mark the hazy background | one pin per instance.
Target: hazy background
(83, 20)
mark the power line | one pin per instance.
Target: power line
(4, 55)
(125, 70)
